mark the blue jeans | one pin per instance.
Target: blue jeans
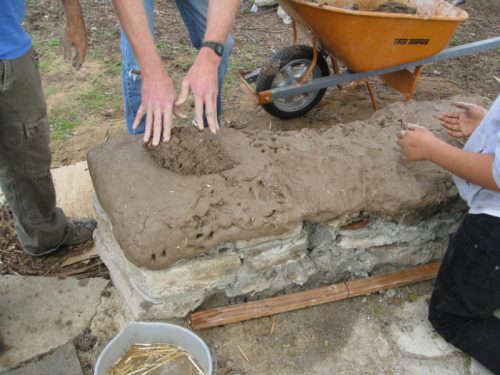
(467, 291)
(194, 15)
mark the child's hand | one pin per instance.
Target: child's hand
(462, 124)
(416, 142)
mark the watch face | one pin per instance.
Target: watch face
(219, 49)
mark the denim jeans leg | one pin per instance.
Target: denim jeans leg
(467, 291)
(194, 14)
(131, 78)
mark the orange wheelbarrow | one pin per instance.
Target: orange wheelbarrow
(393, 46)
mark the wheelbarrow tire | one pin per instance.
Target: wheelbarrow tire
(289, 55)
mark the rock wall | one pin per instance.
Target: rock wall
(311, 255)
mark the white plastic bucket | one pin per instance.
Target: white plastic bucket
(153, 333)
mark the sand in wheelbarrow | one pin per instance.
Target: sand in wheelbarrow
(192, 152)
(402, 7)
(395, 7)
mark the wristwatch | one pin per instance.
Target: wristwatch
(217, 47)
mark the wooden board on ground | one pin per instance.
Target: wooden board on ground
(294, 301)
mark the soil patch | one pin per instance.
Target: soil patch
(395, 7)
(192, 152)
(14, 261)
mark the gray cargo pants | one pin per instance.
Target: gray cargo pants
(25, 157)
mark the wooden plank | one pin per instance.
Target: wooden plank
(391, 280)
(294, 301)
(79, 258)
(268, 306)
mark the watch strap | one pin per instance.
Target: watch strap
(217, 47)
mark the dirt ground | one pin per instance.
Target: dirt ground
(86, 108)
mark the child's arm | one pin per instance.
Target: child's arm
(462, 124)
(418, 143)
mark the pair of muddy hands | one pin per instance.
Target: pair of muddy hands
(416, 142)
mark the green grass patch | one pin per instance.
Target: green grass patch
(246, 58)
(456, 41)
(100, 98)
(94, 98)
(114, 68)
(49, 91)
(63, 119)
(54, 42)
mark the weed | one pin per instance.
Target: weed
(114, 68)
(63, 119)
(467, 361)
(161, 46)
(93, 98)
(54, 42)
(243, 59)
(49, 91)
(97, 98)
(456, 41)
(375, 307)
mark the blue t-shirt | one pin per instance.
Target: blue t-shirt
(14, 41)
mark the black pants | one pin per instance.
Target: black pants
(467, 291)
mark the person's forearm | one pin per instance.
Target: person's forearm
(471, 166)
(133, 19)
(221, 14)
(73, 12)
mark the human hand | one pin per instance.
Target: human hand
(202, 80)
(75, 35)
(157, 104)
(462, 124)
(416, 142)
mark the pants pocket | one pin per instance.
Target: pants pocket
(37, 156)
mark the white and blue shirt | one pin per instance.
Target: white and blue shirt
(485, 140)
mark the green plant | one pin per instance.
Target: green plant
(49, 91)
(375, 307)
(93, 98)
(63, 119)
(456, 41)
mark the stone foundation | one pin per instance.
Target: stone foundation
(309, 256)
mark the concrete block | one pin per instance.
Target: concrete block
(62, 361)
(74, 189)
(43, 313)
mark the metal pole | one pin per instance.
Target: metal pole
(337, 79)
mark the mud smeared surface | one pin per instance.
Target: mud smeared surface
(192, 152)
(282, 179)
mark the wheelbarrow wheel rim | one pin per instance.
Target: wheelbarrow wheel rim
(286, 67)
